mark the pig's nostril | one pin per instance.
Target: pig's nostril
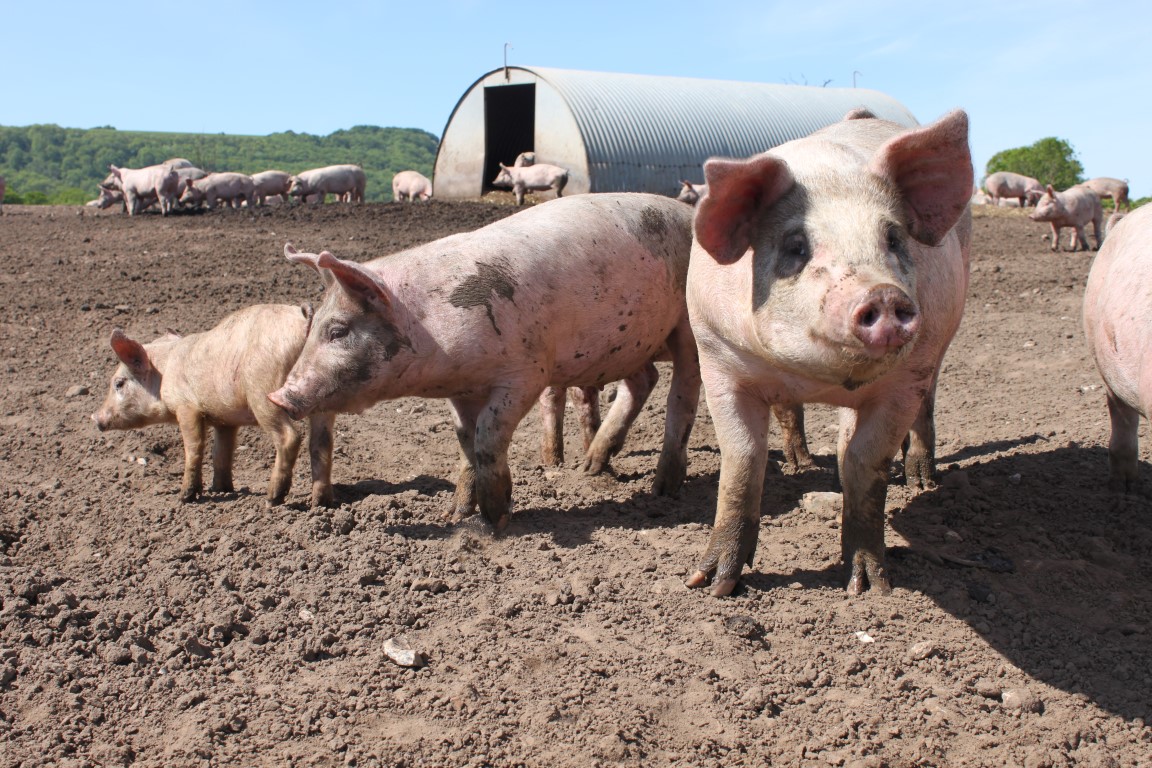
(868, 316)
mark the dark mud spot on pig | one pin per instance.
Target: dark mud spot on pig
(491, 281)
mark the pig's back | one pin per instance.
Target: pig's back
(531, 288)
(244, 357)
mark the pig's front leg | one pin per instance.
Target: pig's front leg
(495, 425)
(552, 401)
(464, 415)
(919, 447)
(868, 440)
(321, 433)
(741, 423)
(1055, 237)
(192, 430)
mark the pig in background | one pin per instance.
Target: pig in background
(578, 291)
(1075, 207)
(347, 182)
(532, 178)
(691, 193)
(830, 269)
(221, 378)
(524, 159)
(1118, 328)
(1114, 189)
(411, 185)
(142, 187)
(1005, 185)
(232, 189)
(270, 184)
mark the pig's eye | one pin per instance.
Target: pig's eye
(118, 384)
(337, 331)
(794, 254)
(895, 239)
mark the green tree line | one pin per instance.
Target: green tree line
(54, 165)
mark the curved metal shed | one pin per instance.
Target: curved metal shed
(628, 133)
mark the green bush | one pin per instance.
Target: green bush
(1050, 161)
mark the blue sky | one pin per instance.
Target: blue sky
(1023, 71)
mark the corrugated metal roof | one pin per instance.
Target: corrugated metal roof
(638, 128)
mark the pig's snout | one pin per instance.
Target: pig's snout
(288, 402)
(886, 318)
(101, 423)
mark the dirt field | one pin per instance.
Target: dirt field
(138, 631)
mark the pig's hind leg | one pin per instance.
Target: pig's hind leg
(552, 401)
(631, 394)
(1123, 447)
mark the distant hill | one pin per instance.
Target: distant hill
(50, 164)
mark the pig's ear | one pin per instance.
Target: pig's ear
(357, 280)
(932, 168)
(738, 190)
(310, 259)
(131, 353)
(1050, 191)
(860, 113)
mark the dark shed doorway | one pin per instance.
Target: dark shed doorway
(509, 126)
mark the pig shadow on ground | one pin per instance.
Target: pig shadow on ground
(1063, 591)
(427, 485)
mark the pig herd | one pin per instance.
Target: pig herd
(830, 269)
(177, 183)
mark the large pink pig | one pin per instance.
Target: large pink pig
(578, 291)
(1118, 326)
(1074, 208)
(829, 269)
(221, 378)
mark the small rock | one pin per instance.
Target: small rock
(399, 650)
(435, 586)
(823, 504)
(744, 626)
(76, 390)
(1021, 699)
(989, 689)
(922, 650)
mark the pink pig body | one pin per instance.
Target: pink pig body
(578, 291)
(229, 188)
(268, 184)
(528, 178)
(1004, 185)
(1074, 208)
(1118, 327)
(1116, 189)
(830, 269)
(221, 378)
(411, 185)
(142, 186)
(347, 182)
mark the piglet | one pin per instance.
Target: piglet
(1074, 207)
(221, 378)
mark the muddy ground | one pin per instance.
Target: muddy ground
(135, 630)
